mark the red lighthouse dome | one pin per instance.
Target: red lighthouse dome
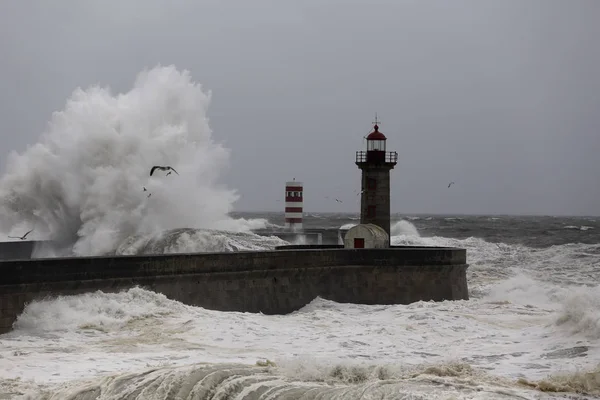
(376, 135)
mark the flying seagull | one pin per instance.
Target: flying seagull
(21, 237)
(167, 168)
(450, 184)
(145, 190)
(339, 201)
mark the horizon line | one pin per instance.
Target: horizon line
(431, 214)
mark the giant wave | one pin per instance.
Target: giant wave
(82, 184)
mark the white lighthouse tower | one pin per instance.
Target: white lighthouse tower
(294, 200)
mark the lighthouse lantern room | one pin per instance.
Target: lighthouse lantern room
(376, 140)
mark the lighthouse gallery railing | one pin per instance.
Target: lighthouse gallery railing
(377, 156)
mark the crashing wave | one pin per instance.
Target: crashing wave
(187, 240)
(86, 183)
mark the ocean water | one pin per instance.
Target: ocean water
(532, 324)
(531, 329)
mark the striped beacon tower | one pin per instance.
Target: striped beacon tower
(293, 205)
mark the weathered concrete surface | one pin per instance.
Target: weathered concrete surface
(25, 249)
(16, 249)
(271, 282)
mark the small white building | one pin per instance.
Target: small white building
(366, 236)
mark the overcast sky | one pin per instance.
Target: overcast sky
(502, 97)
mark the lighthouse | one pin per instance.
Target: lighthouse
(294, 200)
(376, 164)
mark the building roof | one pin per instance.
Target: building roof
(376, 135)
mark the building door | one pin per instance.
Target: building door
(359, 243)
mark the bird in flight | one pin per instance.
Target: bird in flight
(450, 184)
(145, 190)
(167, 168)
(338, 200)
(21, 237)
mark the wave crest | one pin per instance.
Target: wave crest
(186, 240)
(339, 381)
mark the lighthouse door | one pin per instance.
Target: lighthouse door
(359, 243)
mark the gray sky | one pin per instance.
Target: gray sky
(502, 96)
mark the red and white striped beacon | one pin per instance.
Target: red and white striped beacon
(294, 200)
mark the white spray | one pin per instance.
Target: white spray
(82, 183)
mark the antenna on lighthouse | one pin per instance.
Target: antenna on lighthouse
(376, 122)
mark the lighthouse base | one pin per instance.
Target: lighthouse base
(294, 226)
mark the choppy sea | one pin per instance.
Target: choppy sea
(531, 330)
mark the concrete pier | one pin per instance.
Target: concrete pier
(20, 249)
(271, 282)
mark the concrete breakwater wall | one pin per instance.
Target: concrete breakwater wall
(17, 250)
(271, 282)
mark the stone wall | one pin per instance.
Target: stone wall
(274, 282)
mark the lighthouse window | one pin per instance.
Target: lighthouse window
(377, 145)
(371, 211)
